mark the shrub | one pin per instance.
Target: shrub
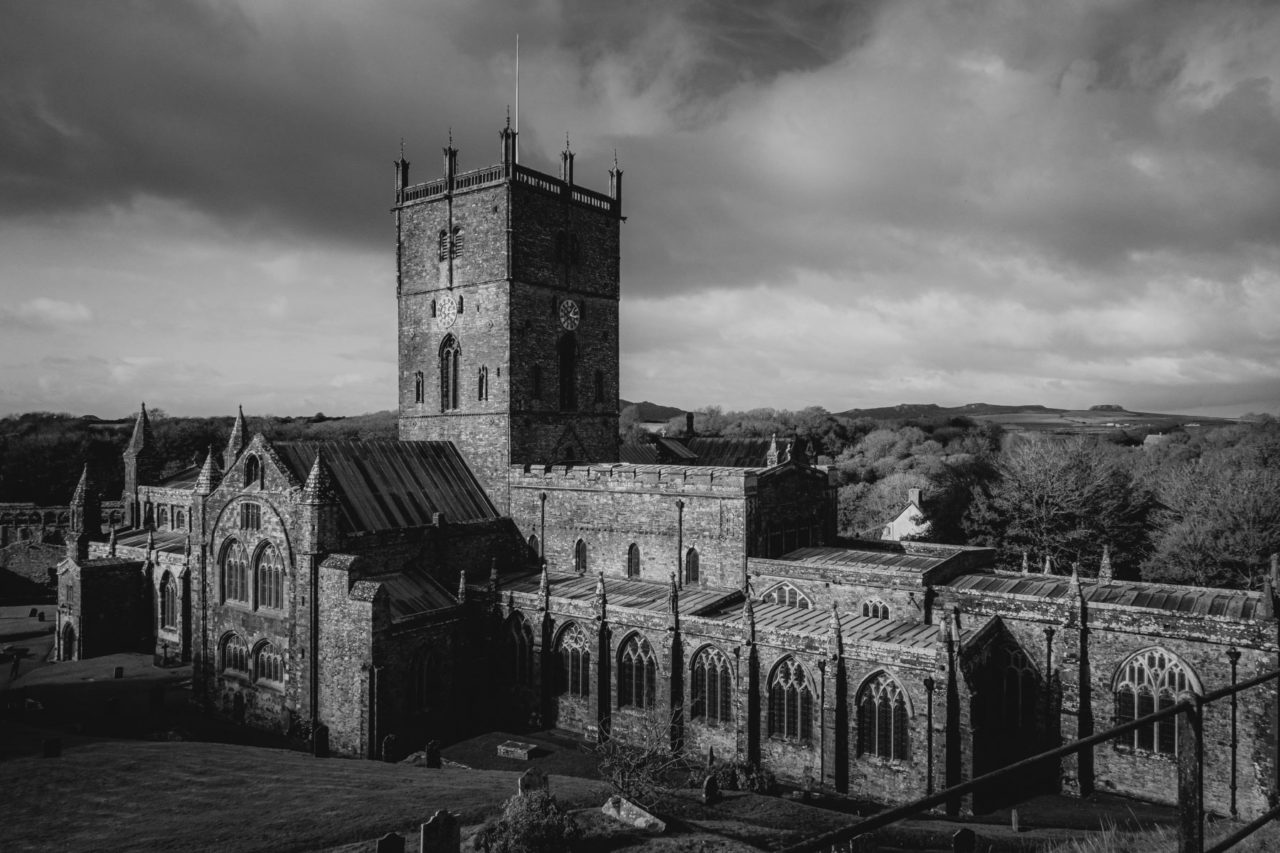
(530, 823)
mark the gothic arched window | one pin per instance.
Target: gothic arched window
(518, 651)
(235, 572)
(428, 680)
(162, 518)
(573, 651)
(269, 570)
(580, 557)
(537, 382)
(637, 674)
(712, 686)
(482, 384)
(168, 602)
(568, 352)
(179, 520)
(268, 664)
(450, 355)
(633, 561)
(785, 593)
(1147, 682)
(875, 608)
(252, 471)
(790, 702)
(691, 566)
(419, 387)
(599, 386)
(882, 718)
(235, 654)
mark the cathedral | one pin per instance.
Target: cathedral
(498, 567)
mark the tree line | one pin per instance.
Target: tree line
(42, 454)
(1198, 506)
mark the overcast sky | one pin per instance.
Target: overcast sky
(829, 203)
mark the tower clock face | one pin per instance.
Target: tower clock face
(447, 312)
(569, 315)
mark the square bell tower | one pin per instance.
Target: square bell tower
(507, 282)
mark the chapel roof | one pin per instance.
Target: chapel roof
(387, 485)
(1204, 601)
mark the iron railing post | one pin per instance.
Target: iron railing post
(1233, 655)
(1190, 734)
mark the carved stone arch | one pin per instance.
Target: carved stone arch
(1161, 659)
(887, 672)
(232, 508)
(784, 592)
(568, 447)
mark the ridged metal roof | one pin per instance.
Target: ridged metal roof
(621, 592)
(816, 622)
(184, 479)
(1204, 601)
(169, 541)
(412, 593)
(387, 485)
(868, 559)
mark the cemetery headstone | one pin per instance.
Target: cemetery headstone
(390, 751)
(532, 779)
(710, 790)
(33, 613)
(441, 834)
(392, 842)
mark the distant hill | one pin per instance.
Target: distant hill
(647, 412)
(1100, 418)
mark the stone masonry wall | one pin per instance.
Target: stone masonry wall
(608, 509)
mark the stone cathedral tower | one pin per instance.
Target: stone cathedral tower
(507, 280)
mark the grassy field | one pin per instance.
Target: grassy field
(128, 795)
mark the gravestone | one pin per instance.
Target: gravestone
(516, 749)
(1013, 820)
(711, 757)
(392, 842)
(390, 751)
(320, 742)
(52, 747)
(441, 834)
(119, 672)
(433, 754)
(964, 841)
(532, 779)
(623, 810)
(34, 612)
(710, 790)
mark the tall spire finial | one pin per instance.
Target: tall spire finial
(566, 140)
(508, 115)
(402, 148)
(450, 136)
(517, 151)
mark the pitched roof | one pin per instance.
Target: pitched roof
(387, 485)
(1203, 601)
(656, 449)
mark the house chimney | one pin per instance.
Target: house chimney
(688, 424)
(913, 496)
